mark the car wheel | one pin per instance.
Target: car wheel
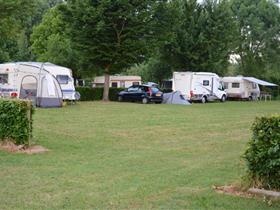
(120, 98)
(204, 100)
(145, 101)
(223, 99)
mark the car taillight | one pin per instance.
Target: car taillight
(14, 95)
(150, 91)
(191, 93)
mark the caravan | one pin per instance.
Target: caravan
(199, 86)
(30, 81)
(244, 87)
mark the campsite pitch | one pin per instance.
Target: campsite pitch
(134, 156)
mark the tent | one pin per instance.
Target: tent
(174, 98)
(31, 81)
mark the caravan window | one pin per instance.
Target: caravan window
(206, 82)
(63, 79)
(254, 85)
(3, 78)
(226, 85)
(114, 84)
(235, 85)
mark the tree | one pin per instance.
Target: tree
(259, 36)
(204, 37)
(50, 42)
(111, 35)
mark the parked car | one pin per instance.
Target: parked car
(142, 93)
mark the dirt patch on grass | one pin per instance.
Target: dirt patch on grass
(10, 146)
(232, 190)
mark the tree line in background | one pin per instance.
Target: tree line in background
(144, 37)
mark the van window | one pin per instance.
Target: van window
(226, 85)
(235, 85)
(135, 83)
(63, 79)
(206, 82)
(3, 78)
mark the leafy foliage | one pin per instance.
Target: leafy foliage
(15, 121)
(49, 40)
(263, 154)
(203, 37)
(258, 37)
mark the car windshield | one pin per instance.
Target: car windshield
(63, 79)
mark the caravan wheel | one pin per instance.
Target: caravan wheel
(204, 100)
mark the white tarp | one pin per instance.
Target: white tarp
(258, 81)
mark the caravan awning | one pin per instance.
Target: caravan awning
(258, 81)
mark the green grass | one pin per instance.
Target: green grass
(133, 156)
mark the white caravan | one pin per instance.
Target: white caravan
(199, 86)
(65, 79)
(244, 87)
(30, 81)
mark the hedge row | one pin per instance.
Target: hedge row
(263, 153)
(16, 121)
(95, 94)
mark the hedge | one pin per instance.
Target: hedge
(263, 153)
(95, 94)
(16, 121)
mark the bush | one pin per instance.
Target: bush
(16, 121)
(263, 154)
(96, 94)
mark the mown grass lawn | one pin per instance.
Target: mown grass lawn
(133, 156)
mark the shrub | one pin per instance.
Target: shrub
(263, 153)
(16, 121)
(95, 94)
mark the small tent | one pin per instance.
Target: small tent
(175, 98)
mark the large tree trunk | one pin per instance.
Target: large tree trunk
(106, 86)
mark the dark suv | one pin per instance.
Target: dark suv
(143, 93)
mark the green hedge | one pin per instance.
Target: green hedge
(263, 153)
(16, 121)
(95, 94)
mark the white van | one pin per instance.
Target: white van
(199, 86)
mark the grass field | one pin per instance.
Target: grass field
(133, 156)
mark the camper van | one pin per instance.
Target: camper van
(65, 79)
(199, 86)
(30, 81)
